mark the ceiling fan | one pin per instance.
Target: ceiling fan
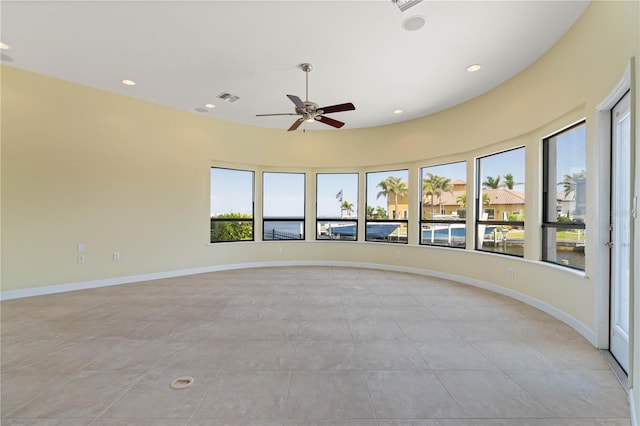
(309, 111)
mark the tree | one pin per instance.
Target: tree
(428, 193)
(392, 186)
(462, 200)
(509, 181)
(231, 230)
(370, 212)
(569, 182)
(492, 183)
(346, 206)
(380, 213)
(434, 186)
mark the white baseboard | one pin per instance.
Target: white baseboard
(572, 322)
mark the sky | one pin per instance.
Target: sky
(232, 190)
(372, 186)
(328, 187)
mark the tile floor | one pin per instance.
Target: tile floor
(298, 346)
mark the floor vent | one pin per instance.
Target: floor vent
(182, 382)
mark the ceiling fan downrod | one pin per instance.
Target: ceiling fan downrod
(307, 68)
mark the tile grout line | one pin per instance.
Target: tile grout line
(362, 370)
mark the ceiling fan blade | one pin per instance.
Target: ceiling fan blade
(297, 101)
(296, 124)
(337, 108)
(329, 121)
(269, 115)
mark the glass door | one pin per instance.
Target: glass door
(620, 242)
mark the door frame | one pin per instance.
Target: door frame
(602, 215)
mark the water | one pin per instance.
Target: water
(283, 230)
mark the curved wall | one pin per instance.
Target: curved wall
(118, 174)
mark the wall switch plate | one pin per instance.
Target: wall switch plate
(81, 248)
(116, 255)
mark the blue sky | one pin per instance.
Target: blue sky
(231, 191)
(329, 185)
(284, 192)
(376, 177)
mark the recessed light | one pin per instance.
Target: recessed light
(202, 110)
(209, 106)
(413, 23)
(397, 111)
(474, 67)
(4, 46)
(128, 82)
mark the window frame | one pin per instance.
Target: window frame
(291, 219)
(549, 225)
(368, 221)
(338, 220)
(479, 207)
(228, 220)
(424, 221)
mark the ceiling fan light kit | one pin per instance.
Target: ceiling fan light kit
(309, 111)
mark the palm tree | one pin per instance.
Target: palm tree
(346, 206)
(509, 182)
(434, 186)
(428, 193)
(384, 189)
(492, 183)
(444, 185)
(393, 185)
(380, 213)
(569, 182)
(462, 200)
(370, 212)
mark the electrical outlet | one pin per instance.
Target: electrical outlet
(116, 255)
(279, 250)
(398, 254)
(510, 272)
(82, 258)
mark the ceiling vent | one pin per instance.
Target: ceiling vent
(405, 4)
(228, 97)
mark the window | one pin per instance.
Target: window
(442, 205)
(387, 194)
(500, 191)
(564, 197)
(231, 205)
(283, 206)
(337, 206)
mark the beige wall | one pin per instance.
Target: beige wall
(118, 174)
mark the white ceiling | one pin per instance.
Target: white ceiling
(184, 53)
